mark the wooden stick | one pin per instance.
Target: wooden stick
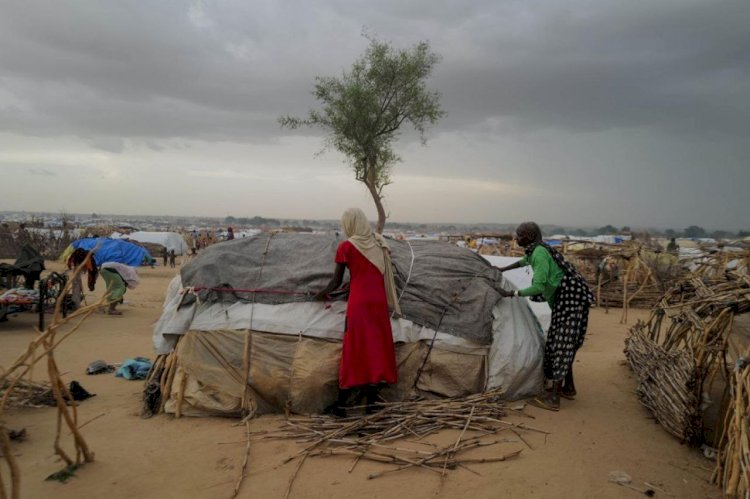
(294, 475)
(244, 462)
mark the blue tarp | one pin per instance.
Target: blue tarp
(114, 250)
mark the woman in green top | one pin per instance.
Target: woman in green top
(558, 283)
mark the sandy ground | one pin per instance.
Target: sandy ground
(604, 430)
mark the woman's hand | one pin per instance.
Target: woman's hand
(505, 293)
(320, 295)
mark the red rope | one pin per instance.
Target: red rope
(251, 290)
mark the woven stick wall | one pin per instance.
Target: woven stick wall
(638, 276)
(732, 471)
(680, 350)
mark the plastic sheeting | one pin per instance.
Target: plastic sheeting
(512, 361)
(114, 250)
(170, 240)
(520, 279)
(297, 373)
(440, 286)
(311, 319)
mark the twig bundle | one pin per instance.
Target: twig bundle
(26, 393)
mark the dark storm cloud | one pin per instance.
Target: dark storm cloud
(640, 109)
(680, 66)
(225, 71)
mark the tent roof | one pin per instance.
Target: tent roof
(170, 240)
(441, 286)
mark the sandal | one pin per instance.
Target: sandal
(568, 395)
(544, 404)
(114, 312)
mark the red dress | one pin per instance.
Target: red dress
(368, 355)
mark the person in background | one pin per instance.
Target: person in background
(673, 247)
(119, 278)
(230, 233)
(558, 283)
(368, 357)
(172, 258)
(164, 255)
(74, 260)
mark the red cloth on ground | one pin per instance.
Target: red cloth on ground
(368, 355)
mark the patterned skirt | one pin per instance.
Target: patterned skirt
(570, 317)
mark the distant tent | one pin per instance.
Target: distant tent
(239, 328)
(114, 250)
(170, 240)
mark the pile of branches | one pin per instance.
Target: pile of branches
(27, 393)
(682, 348)
(732, 471)
(373, 436)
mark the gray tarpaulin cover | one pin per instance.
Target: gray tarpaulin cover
(441, 286)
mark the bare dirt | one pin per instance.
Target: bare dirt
(604, 430)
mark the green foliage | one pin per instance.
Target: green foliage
(364, 109)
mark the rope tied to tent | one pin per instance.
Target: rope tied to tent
(408, 277)
(250, 290)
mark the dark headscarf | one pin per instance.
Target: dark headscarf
(531, 232)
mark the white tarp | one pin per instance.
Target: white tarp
(170, 240)
(514, 358)
(520, 279)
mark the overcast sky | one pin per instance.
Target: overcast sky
(581, 113)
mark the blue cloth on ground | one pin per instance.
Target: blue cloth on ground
(136, 368)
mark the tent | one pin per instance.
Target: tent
(239, 329)
(113, 250)
(170, 240)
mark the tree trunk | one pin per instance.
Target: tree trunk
(378, 204)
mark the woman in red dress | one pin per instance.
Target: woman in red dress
(368, 358)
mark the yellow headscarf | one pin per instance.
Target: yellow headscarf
(357, 228)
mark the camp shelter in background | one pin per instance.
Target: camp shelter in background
(111, 250)
(240, 333)
(169, 240)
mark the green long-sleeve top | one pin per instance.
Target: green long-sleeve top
(547, 275)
